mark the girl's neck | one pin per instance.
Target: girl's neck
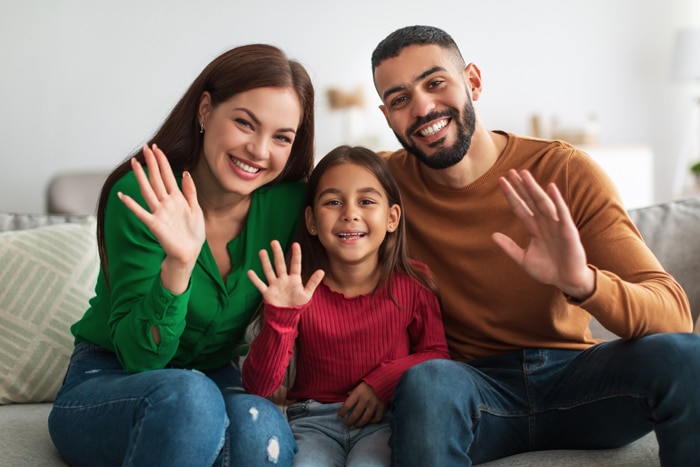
(352, 279)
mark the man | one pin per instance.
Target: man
(521, 270)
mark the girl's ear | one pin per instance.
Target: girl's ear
(394, 218)
(310, 221)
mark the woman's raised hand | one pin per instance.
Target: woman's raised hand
(173, 216)
(284, 289)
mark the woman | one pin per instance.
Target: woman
(223, 177)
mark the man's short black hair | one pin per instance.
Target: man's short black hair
(395, 42)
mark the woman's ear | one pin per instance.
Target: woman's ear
(394, 218)
(310, 221)
(204, 108)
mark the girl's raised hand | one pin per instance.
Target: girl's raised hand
(284, 289)
(173, 216)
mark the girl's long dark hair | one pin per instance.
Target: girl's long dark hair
(393, 252)
(235, 71)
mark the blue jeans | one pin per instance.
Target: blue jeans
(450, 413)
(324, 440)
(105, 416)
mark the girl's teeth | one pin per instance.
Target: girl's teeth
(350, 236)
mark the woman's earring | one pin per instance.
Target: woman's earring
(312, 230)
(201, 128)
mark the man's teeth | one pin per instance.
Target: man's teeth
(434, 128)
(245, 167)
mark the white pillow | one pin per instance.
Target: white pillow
(47, 276)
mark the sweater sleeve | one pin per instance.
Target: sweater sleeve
(270, 352)
(634, 295)
(428, 342)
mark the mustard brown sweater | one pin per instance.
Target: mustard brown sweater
(490, 305)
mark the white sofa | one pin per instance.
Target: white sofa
(48, 265)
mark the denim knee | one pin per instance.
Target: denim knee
(673, 360)
(188, 395)
(258, 432)
(430, 381)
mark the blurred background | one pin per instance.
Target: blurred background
(86, 82)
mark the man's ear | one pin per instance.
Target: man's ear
(310, 221)
(394, 218)
(386, 114)
(472, 76)
(204, 108)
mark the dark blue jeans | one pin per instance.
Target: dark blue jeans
(104, 416)
(450, 413)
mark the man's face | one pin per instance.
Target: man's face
(427, 104)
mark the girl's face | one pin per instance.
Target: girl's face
(247, 139)
(351, 215)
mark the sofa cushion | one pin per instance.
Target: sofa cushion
(25, 437)
(48, 274)
(671, 231)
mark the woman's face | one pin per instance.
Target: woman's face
(247, 139)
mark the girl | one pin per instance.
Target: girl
(366, 314)
(172, 295)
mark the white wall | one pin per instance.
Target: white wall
(85, 82)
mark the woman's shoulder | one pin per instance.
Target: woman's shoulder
(289, 194)
(284, 189)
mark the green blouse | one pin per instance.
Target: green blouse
(202, 328)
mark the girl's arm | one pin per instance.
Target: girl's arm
(285, 297)
(270, 352)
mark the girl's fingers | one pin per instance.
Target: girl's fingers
(266, 265)
(295, 263)
(257, 282)
(314, 281)
(280, 264)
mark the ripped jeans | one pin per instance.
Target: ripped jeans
(105, 416)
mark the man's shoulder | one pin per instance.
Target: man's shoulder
(388, 155)
(395, 159)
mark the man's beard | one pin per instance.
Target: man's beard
(449, 156)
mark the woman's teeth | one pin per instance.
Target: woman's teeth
(245, 167)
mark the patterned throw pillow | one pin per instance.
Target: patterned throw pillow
(47, 275)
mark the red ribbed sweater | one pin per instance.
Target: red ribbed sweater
(342, 341)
